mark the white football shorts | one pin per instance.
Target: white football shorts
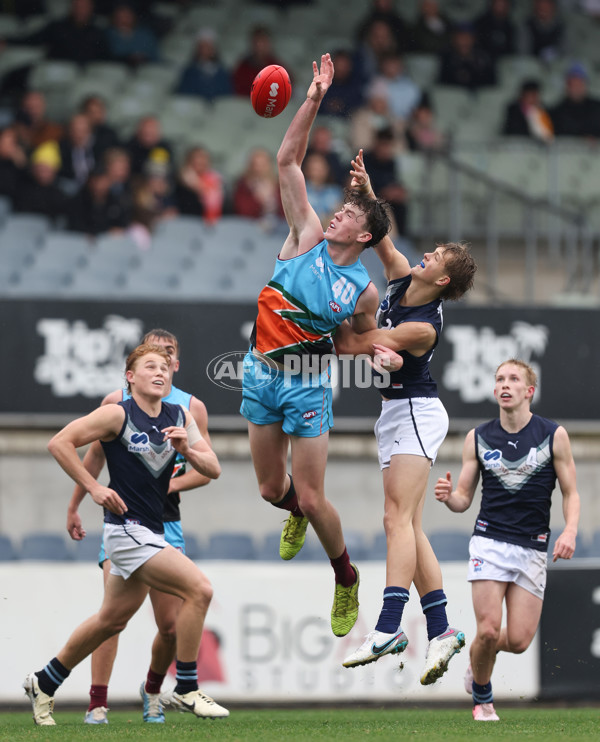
(415, 426)
(129, 546)
(496, 560)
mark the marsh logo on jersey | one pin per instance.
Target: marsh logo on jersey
(83, 360)
(478, 351)
(492, 459)
(139, 443)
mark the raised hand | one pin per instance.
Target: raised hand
(360, 178)
(322, 78)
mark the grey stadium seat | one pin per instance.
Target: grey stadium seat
(49, 547)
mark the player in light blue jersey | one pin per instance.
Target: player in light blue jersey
(410, 430)
(318, 282)
(166, 607)
(519, 456)
(141, 437)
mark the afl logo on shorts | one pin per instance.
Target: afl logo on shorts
(309, 414)
(336, 307)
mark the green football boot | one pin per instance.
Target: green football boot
(345, 607)
(293, 536)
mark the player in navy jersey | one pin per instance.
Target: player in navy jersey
(318, 282)
(165, 606)
(519, 456)
(141, 438)
(411, 428)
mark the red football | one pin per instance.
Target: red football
(271, 91)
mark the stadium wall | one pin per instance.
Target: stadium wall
(268, 640)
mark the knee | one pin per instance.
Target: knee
(393, 522)
(202, 592)
(488, 634)
(519, 645)
(271, 492)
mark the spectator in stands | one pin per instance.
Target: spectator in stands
(200, 190)
(577, 114)
(465, 64)
(259, 55)
(13, 161)
(402, 92)
(495, 29)
(345, 96)
(94, 210)
(104, 136)
(422, 133)
(148, 144)
(378, 42)
(32, 126)
(153, 201)
(431, 32)
(76, 154)
(381, 164)
(527, 117)
(384, 10)
(38, 193)
(322, 141)
(372, 117)
(545, 31)
(256, 192)
(117, 163)
(74, 37)
(128, 41)
(206, 76)
(324, 195)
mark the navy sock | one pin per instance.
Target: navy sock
(290, 501)
(52, 677)
(394, 600)
(434, 608)
(482, 693)
(186, 674)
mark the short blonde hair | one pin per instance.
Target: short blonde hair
(530, 374)
(143, 350)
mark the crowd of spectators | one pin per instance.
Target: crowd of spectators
(83, 172)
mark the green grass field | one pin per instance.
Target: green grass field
(348, 724)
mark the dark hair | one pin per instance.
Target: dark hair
(460, 267)
(376, 212)
(158, 332)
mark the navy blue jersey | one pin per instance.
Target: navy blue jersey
(140, 463)
(518, 477)
(172, 512)
(413, 379)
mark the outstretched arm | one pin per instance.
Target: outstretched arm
(565, 471)
(459, 500)
(305, 226)
(394, 262)
(416, 337)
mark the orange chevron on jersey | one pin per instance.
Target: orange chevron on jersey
(281, 324)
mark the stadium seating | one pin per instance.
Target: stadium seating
(50, 547)
(8, 552)
(88, 549)
(450, 545)
(230, 545)
(193, 546)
